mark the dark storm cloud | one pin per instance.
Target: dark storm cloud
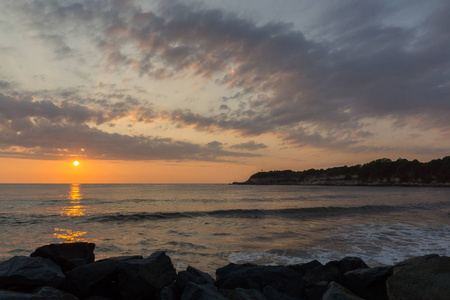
(42, 129)
(309, 91)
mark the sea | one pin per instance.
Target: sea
(208, 226)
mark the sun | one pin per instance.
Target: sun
(76, 163)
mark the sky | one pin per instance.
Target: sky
(214, 91)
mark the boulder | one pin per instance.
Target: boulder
(193, 275)
(99, 278)
(43, 293)
(415, 260)
(429, 279)
(272, 294)
(67, 255)
(194, 291)
(348, 263)
(122, 258)
(316, 291)
(49, 293)
(336, 291)
(309, 266)
(244, 294)
(22, 273)
(249, 276)
(333, 270)
(144, 278)
(170, 292)
(369, 284)
(12, 295)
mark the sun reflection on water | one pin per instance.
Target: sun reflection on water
(75, 197)
(69, 235)
(74, 208)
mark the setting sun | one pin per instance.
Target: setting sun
(76, 163)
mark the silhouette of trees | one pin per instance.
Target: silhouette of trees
(381, 170)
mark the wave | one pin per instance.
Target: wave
(288, 213)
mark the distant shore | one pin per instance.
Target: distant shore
(341, 183)
(380, 172)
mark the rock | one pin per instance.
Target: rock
(272, 294)
(11, 295)
(193, 275)
(429, 279)
(143, 278)
(336, 291)
(50, 293)
(309, 266)
(369, 284)
(21, 272)
(333, 271)
(170, 292)
(316, 291)
(415, 260)
(43, 293)
(98, 278)
(122, 258)
(249, 276)
(244, 294)
(67, 255)
(348, 264)
(194, 291)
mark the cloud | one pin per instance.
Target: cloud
(367, 69)
(250, 146)
(363, 62)
(44, 130)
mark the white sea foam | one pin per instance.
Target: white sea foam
(376, 244)
(383, 244)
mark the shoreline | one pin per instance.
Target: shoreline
(69, 271)
(445, 185)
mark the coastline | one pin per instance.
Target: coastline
(341, 183)
(69, 271)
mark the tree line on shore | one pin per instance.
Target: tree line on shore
(436, 171)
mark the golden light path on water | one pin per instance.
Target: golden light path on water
(74, 209)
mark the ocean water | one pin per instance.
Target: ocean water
(208, 226)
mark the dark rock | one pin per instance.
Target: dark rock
(144, 278)
(50, 293)
(193, 275)
(415, 260)
(244, 294)
(333, 271)
(96, 297)
(249, 276)
(316, 291)
(43, 293)
(425, 280)
(11, 295)
(336, 291)
(320, 274)
(98, 278)
(348, 264)
(67, 255)
(170, 292)
(369, 284)
(309, 266)
(122, 258)
(272, 294)
(194, 291)
(21, 272)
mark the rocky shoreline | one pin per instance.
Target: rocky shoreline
(69, 271)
